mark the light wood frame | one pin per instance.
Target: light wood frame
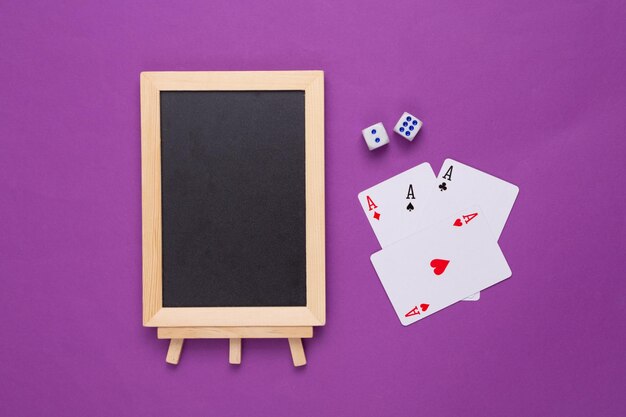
(154, 314)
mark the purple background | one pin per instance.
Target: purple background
(531, 91)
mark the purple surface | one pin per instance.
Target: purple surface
(531, 91)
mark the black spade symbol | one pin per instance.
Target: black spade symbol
(410, 207)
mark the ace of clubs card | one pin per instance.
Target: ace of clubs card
(459, 186)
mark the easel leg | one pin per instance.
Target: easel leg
(234, 354)
(297, 351)
(173, 353)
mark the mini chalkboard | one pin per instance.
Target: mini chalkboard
(233, 206)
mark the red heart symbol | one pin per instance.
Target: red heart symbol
(458, 223)
(439, 265)
(424, 307)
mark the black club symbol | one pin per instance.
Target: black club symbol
(442, 186)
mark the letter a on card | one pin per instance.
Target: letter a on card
(371, 204)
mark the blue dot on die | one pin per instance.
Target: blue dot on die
(408, 133)
(414, 122)
(404, 124)
(377, 140)
(373, 131)
(401, 129)
(408, 118)
(411, 127)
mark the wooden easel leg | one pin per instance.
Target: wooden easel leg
(173, 353)
(234, 354)
(297, 351)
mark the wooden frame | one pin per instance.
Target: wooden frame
(154, 314)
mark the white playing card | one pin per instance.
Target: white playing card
(440, 265)
(460, 186)
(394, 207)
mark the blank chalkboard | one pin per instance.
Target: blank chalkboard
(233, 198)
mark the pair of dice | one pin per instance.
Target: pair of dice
(407, 127)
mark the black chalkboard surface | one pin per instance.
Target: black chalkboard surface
(233, 198)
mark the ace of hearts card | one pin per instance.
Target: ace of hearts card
(440, 265)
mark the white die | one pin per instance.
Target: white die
(375, 136)
(408, 126)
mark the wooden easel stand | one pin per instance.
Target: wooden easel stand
(177, 336)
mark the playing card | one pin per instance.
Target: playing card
(459, 186)
(440, 265)
(394, 207)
